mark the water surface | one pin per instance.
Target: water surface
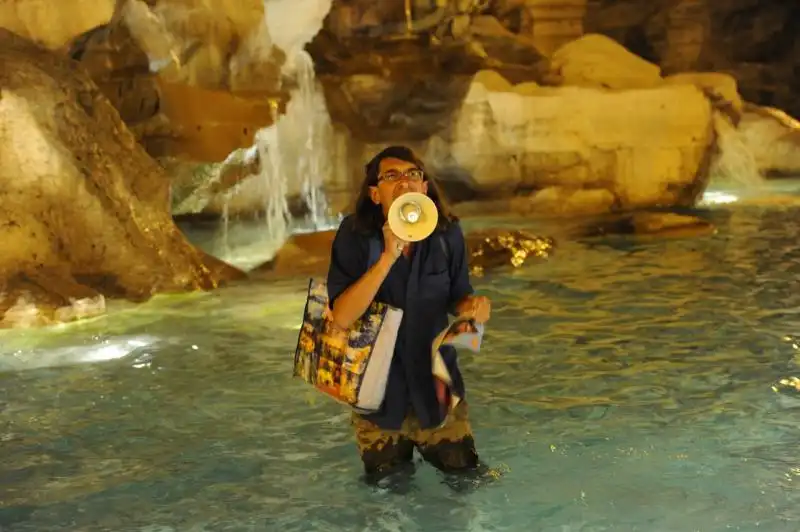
(624, 385)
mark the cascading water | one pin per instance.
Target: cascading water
(317, 157)
(735, 165)
(294, 155)
(273, 180)
(305, 135)
(295, 159)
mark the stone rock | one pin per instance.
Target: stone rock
(651, 224)
(384, 91)
(196, 79)
(386, 84)
(183, 93)
(511, 14)
(598, 61)
(85, 208)
(305, 254)
(54, 24)
(646, 147)
(195, 186)
(719, 85)
(377, 108)
(554, 23)
(773, 137)
(514, 56)
(755, 41)
(492, 81)
(561, 201)
(569, 150)
(205, 125)
(188, 42)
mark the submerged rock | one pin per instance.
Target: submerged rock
(303, 254)
(85, 209)
(654, 224)
(494, 248)
(788, 391)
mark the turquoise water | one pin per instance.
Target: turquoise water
(623, 385)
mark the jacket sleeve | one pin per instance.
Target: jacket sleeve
(460, 285)
(348, 260)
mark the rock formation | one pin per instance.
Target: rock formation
(593, 128)
(196, 87)
(774, 138)
(615, 139)
(576, 150)
(54, 24)
(390, 75)
(556, 107)
(190, 83)
(504, 97)
(645, 225)
(388, 82)
(85, 208)
(755, 41)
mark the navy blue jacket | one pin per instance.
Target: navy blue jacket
(426, 286)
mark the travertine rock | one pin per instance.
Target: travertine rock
(553, 23)
(574, 150)
(191, 83)
(597, 61)
(85, 209)
(716, 84)
(54, 23)
(755, 41)
(774, 139)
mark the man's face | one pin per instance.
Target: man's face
(396, 177)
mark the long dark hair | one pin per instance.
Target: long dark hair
(369, 216)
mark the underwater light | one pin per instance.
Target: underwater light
(104, 351)
(719, 198)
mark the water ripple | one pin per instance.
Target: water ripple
(623, 386)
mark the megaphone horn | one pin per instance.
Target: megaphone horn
(413, 217)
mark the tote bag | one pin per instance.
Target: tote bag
(350, 365)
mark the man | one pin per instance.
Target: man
(427, 280)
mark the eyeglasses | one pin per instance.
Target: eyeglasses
(412, 174)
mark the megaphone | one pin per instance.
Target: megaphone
(413, 216)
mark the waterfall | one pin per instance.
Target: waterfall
(273, 180)
(305, 136)
(295, 158)
(735, 165)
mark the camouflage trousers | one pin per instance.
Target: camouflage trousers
(449, 448)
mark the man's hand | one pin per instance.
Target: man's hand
(478, 308)
(393, 246)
